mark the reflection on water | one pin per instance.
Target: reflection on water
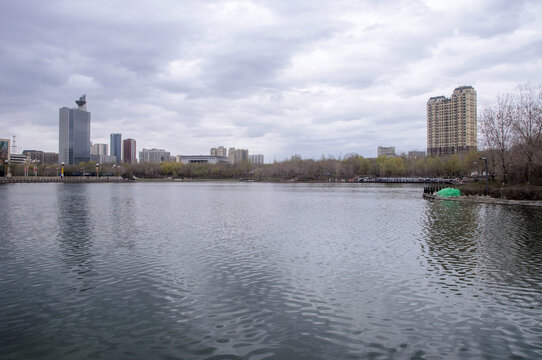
(75, 235)
(498, 248)
(255, 271)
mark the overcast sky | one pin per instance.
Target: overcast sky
(277, 77)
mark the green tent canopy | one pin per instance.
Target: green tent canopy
(449, 192)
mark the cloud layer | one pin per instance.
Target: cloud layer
(276, 77)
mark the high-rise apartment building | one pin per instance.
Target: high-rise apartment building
(220, 151)
(451, 122)
(256, 159)
(237, 155)
(116, 146)
(74, 133)
(129, 151)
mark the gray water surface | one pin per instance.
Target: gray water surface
(265, 271)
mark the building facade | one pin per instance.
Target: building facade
(18, 158)
(256, 159)
(219, 151)
(237, 155)
(416, 154)
(50, 158)
(129, 151)
(154, 155)
(35, 155)
(210, 159)
(451, 123)
(74, 133)
(99, 149)
(116, 146)
(385, 151)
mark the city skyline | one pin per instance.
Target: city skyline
(310, 78)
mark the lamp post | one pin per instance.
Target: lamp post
(487, 176)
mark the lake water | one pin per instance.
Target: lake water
(265, 271)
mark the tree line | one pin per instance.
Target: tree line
(293, 169)
(511, 135)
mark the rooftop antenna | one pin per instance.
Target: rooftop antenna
(81, 103)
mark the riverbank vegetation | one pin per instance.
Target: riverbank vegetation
(510, 132)
(294, 169)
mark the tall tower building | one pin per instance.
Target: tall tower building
(129, 151)
(451, 122)
(116, 147)
(74, 133)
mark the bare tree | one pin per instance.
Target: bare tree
(528, 123)
(496, 126)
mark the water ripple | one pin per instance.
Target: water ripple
(265, 271)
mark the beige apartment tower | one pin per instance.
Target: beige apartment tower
(451, 123)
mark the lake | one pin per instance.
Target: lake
(226, 270)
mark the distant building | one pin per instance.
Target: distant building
(4, 150)
(154, 155)
(210, 159)
(385, 151)
(18, 158)
(220, 151)
(451, 122)
(74, 133)
(50, 158)
(129, 151)
(237, 155)
(99, 149)
(34, 155)
(256, 159)
(103, 159)
(414, 155)
(116, 146)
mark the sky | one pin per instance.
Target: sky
(280, 78)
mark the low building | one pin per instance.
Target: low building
(385, 151)
(50, 158)
(210, 159)
(18, 158)
(414, 155)
(103, 159)
(154, 155)
(34, 155)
